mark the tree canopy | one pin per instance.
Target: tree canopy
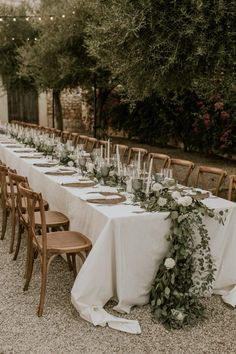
(13, 35)
(164, 45)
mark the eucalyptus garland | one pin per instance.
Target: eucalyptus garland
(186, 274)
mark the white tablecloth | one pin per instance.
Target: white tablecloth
(127, 247)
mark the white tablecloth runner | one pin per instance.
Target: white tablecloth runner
(127, 247)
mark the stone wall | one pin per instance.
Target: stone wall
(76, 112)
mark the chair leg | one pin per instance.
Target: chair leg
(19, 233)
(73, 256)
(43, 287)
(13, 230)
(5, 213)
(69, 262)
(29, 269)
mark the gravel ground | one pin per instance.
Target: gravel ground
(62, 331)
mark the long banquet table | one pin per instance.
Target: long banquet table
(127, 246)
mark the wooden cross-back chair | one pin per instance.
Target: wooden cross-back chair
(159, 160)
(182, 170)
(232, 188)
(90, 144)
(123, 151)
(210, 178)
(49, 244)
(12, 205)
(81, 140)
(65, 136)
(74, 138)
(133, 153)
(54, 219)
(104, 144)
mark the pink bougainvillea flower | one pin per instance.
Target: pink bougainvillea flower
(199, 104)
(207, 120)
(224, 115)
(214, 98)
(218, 106)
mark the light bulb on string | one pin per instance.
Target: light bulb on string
(51, 18)
(39, 18)
(73, 12)
(63, 16)
(27, 18)
(13, 39)
(14, 19)
(1, 19)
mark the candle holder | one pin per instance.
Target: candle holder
(105, 169)
(82, 164)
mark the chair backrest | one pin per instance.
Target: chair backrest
(65, 135)
(32, 199)
(210, 178)
(90, 144)
(182, 169)
(123, 151)
(16, 199)
(3, 184)
(74, 137)
(134, 151)
(57, 132)
(232, 187)
(159, 160)
(82, 139)
(104, 144)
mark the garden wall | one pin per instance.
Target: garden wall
(75, 110)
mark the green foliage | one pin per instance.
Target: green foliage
(58, 59)
(186, 273)
(164, 45)
(13, 35)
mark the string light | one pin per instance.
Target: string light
(13, 38)
(28, 17)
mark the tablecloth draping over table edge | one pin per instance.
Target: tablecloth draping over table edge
(127, 248)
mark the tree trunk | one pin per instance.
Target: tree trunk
(58, 109)
(103, 94)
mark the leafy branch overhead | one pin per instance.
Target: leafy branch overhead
(164, 45)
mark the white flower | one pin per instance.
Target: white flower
(90, 167)
(112, 173)
(176, 195)
(157, 187)
(169, 263)
(179, 315)
(185, 201)
(70, 164)
(162, 201)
